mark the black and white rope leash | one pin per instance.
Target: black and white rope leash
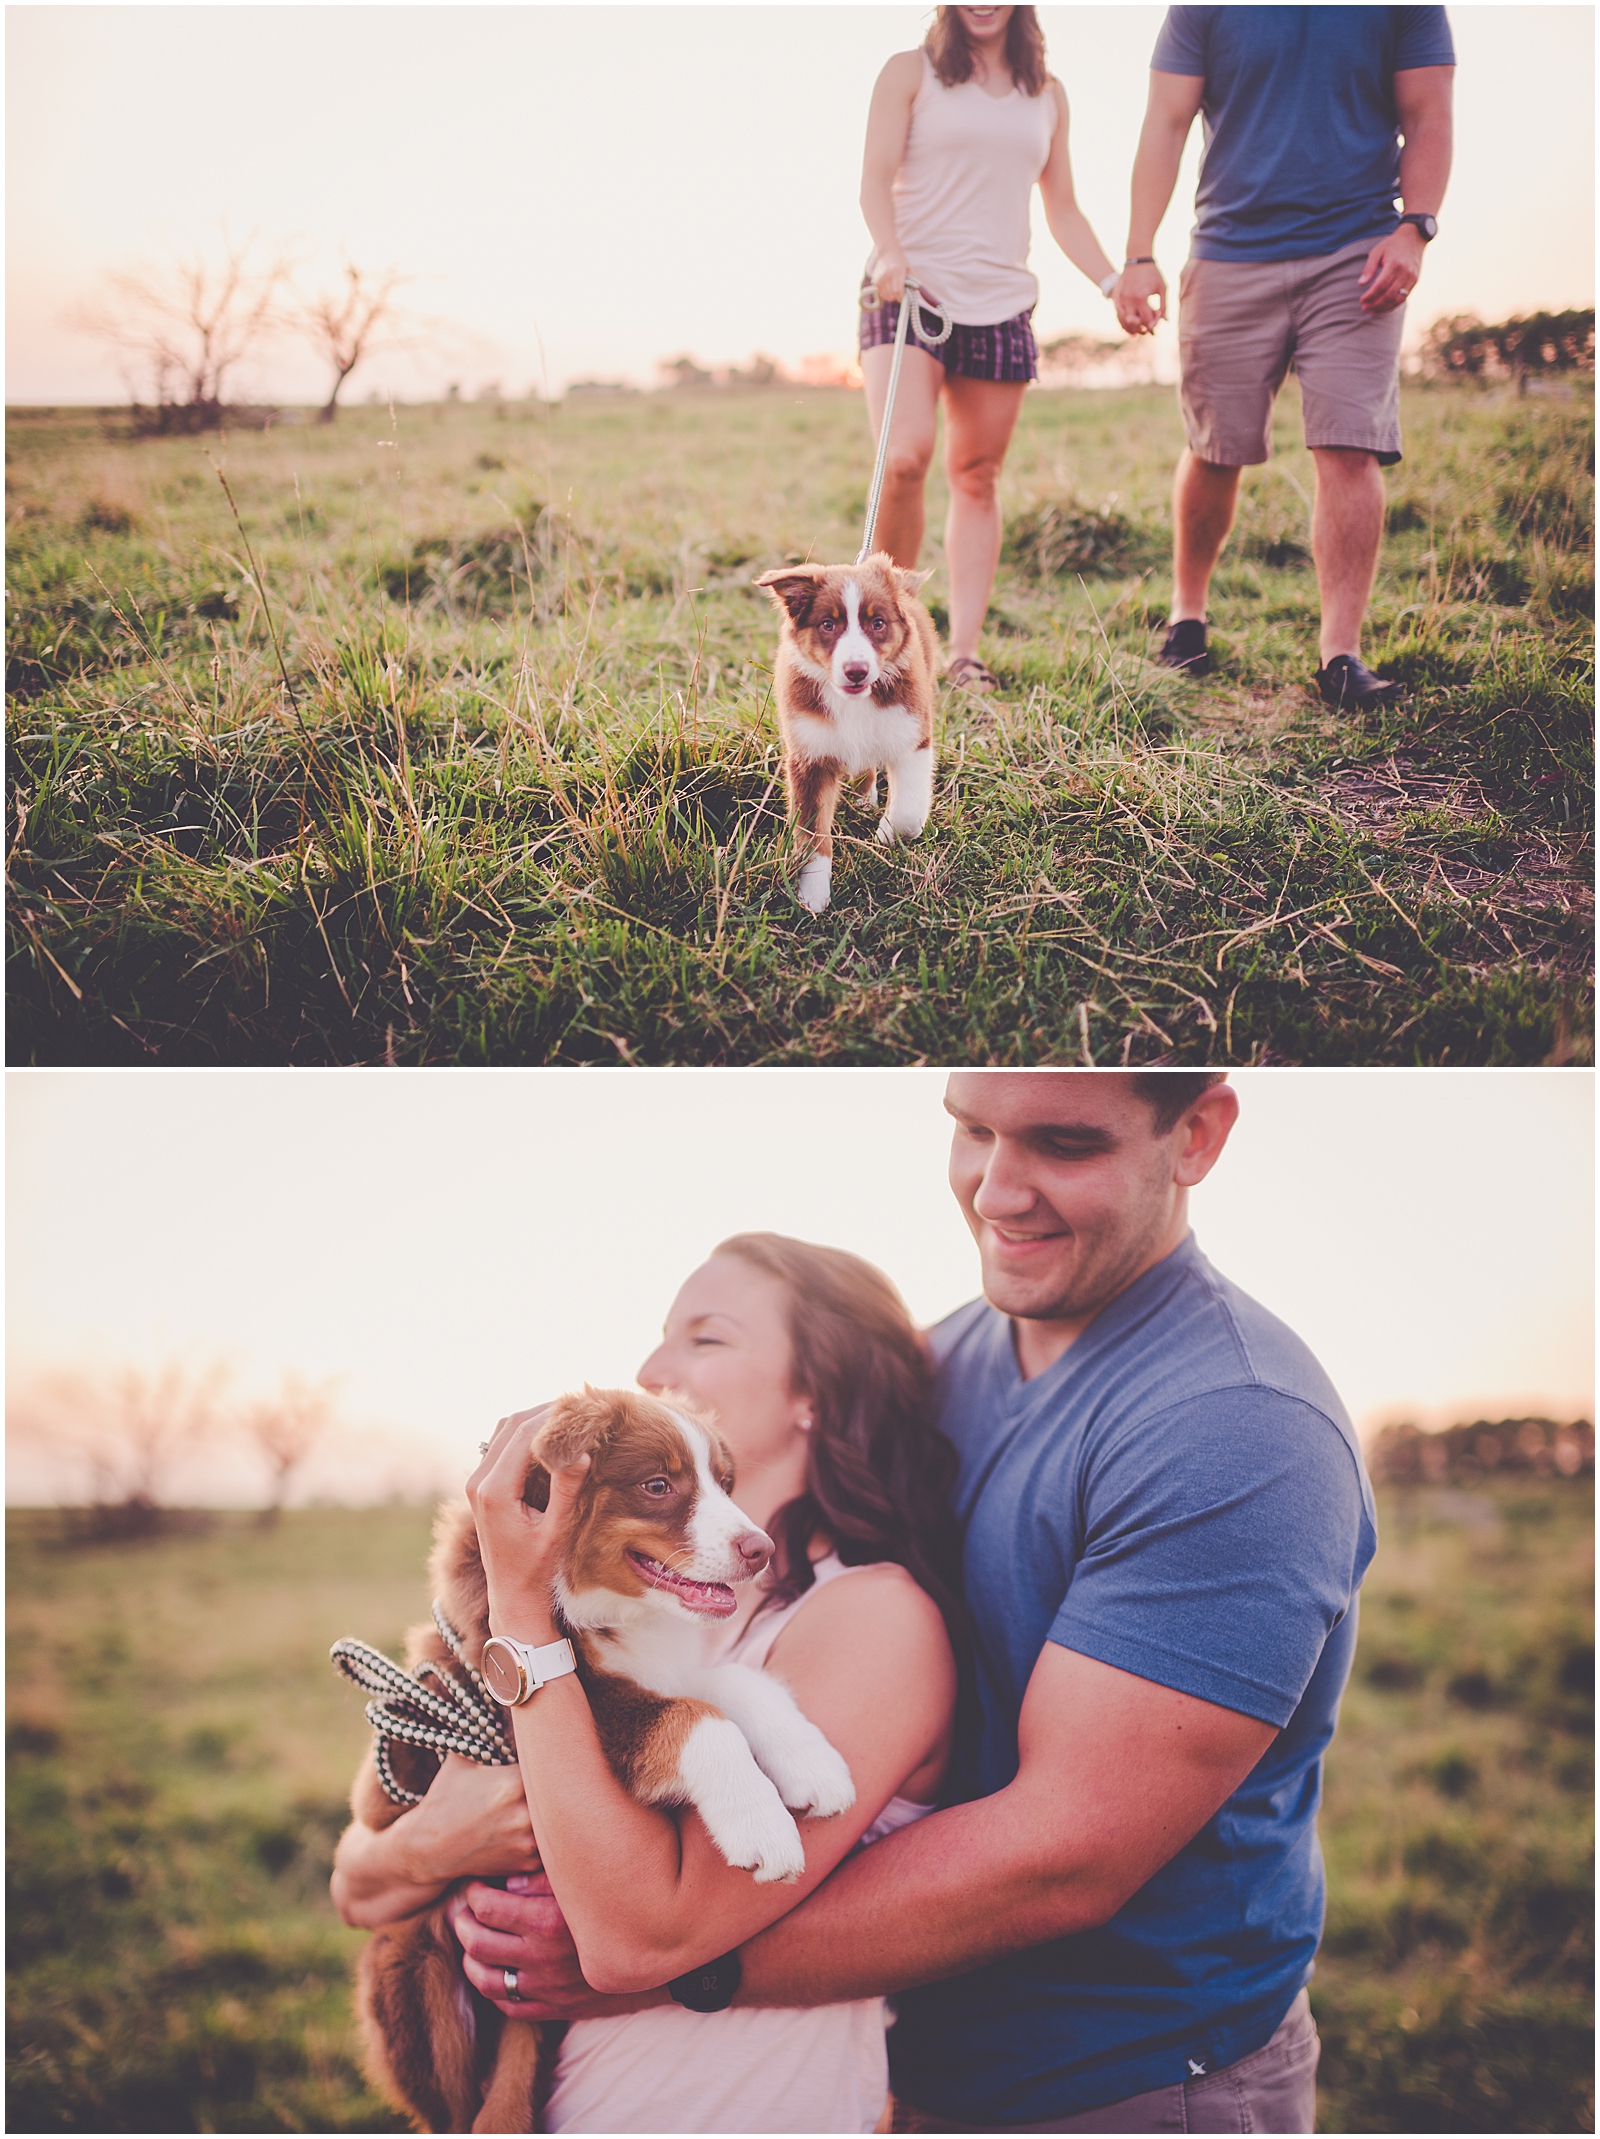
(912, 299)
(459, 1718)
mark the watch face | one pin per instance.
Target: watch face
(502, 1671)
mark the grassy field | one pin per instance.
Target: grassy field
(179, 1749)
(457, 745)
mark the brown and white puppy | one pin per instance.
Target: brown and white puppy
(654, 1550)
(857, 659)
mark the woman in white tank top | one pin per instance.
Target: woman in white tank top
(820, 1385)
(958, 135)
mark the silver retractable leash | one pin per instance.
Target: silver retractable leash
(925, 308)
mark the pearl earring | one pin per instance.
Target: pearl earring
(804, 1425)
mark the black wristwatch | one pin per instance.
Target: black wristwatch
(1427, 226)
(710, 1987)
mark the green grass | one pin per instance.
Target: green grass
(518, 800)
(179, 1749)
(1454, 1991)
(178, 1755)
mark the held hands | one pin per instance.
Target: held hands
(1140, 296)
(521, 1547)
(1391, 270)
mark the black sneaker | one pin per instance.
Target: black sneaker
(1347, 681)
(1184, 647)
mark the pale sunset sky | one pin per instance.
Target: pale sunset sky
(585, 190)
(455, 1244)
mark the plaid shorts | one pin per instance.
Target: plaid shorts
(1004, 352)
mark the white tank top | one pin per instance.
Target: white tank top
(823, 2068)
(963, 195)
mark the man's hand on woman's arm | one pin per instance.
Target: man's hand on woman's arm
(523, 1928)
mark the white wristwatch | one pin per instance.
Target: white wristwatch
(514, 1671)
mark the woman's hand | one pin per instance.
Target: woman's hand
(472, 1823)
(889, 271)
(521, 1547)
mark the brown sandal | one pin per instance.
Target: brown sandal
(969, 674)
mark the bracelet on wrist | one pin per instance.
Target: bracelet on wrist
(1140, 260)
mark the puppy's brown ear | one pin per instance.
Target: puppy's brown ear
(575, 1426)
(911, 582)
(793, 587)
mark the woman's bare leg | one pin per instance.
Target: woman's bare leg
(902, 510)
(980, 416)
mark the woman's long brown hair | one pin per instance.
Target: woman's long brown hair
(946, 45)
(880, 1473)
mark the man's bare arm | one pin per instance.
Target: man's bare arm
(1116, 1774)
(1423, 97)
(1141, 292)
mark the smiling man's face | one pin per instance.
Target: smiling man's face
(1069, 1189)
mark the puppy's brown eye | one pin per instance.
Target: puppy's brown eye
(878, 625)
(657, 1488)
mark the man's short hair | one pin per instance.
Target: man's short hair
(1170, 1093)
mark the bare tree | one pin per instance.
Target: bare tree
(125, 1431)
(286, 1428)
(188, 326)
(352, 323)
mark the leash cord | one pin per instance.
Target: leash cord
(922, 305)
(457, 1718)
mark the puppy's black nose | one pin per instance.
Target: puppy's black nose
(855, 672)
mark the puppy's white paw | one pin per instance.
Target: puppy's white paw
(816, 882)
(885, 834)
(740, 1805)
(867, 790)
(761, 1839)
(817, 1780)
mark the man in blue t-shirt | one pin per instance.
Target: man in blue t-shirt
(1316, 119)
(1110, 1925)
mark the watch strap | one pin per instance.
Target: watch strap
(536, 1665)
(709, 1988)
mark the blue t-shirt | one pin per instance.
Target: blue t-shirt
(1302, 143)
(1181, 1495)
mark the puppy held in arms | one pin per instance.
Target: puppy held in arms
(857, 658)
(655, 1550)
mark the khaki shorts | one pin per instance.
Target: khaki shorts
(1274, 2089)
(1242, 323)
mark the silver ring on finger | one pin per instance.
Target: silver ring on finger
(483, 1448)
(510, 1975)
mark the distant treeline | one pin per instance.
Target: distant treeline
(1544, 342)
(1465, 1455)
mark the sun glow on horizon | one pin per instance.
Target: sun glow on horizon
(453, 1244)
(588, 191)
